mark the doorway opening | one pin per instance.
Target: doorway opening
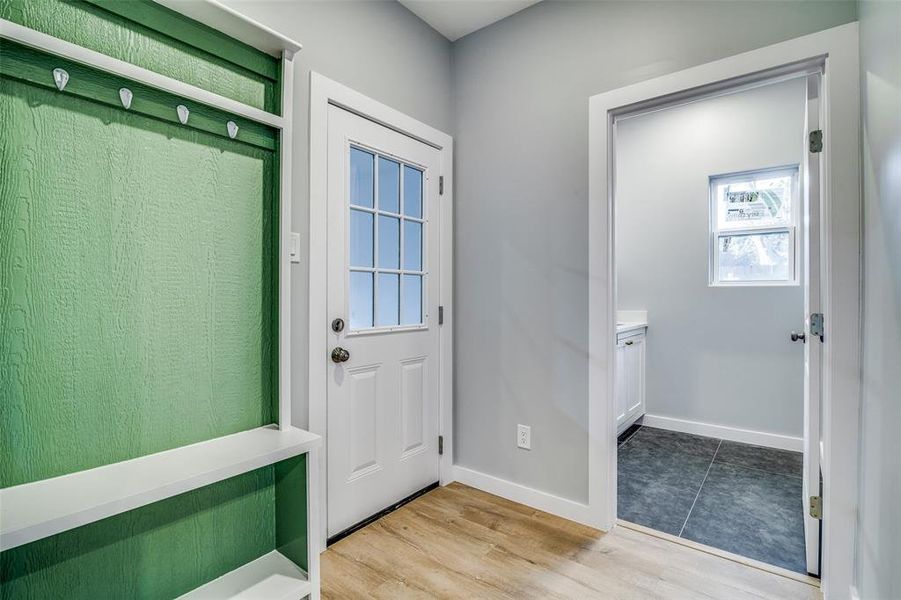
(717, 271)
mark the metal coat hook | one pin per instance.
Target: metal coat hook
(60, 78)
(232, 129)
(183, 113)
(125, 96)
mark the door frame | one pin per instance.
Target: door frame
(837, 50)
(325, 92)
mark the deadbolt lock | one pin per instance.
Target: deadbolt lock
(338, 325)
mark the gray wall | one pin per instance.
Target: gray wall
(719, 355)
(879, 528)
(378, 48)
(521, 89)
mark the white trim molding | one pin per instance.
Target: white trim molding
(556, 505)
(323, 93)
(835, 51)
(733, 434)
(234, 24)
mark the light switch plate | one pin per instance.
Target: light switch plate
(295, 247)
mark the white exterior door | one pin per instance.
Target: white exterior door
(383, 244)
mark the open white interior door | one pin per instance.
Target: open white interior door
(813, 349)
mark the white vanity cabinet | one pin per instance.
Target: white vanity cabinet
(630, 364)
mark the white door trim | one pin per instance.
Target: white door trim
(840, 229)
(325, 92)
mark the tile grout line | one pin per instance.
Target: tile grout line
(700, 488)
(740, 466)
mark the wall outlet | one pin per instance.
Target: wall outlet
(524, 437)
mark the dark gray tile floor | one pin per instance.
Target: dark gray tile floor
(737, 497)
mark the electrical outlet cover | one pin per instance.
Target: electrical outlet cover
(524, 437)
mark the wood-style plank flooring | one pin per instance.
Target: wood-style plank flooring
(458, 542)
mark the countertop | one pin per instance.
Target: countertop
(629, 326)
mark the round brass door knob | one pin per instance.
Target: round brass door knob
(340, 355)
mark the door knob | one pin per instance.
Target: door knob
(799, 336)
(340, 355)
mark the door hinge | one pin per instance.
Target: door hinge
(441, 185)
(816, 507)
(440, 445)
(441, 315)
(816, 140)
(817, 327)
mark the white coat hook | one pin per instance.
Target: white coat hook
(232, 129)
(60, 78)
(183, 113)
(125, 96)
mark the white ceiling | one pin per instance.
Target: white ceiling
(455, 18)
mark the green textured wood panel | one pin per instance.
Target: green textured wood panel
(291, 509)
(156, 552)
(92, 27)
(137, 287)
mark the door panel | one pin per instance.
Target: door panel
(813, 351)
(382, 433)
(414, 394)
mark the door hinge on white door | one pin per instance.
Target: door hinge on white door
(441, 315)
(440, 445)
(441, 185)
(816, 507)
(817, 326)
(816, 141)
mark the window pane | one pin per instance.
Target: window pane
(389, 299)
(412, 246)
(412, 192)
(360, 300)
(360, 238)
(389, 185)
(411, 313)
(755, 257)
(389, 242)
(361, 177)
(761, 200)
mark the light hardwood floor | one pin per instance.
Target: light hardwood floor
(458, 542)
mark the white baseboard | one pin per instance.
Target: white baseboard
(734, 434)
(561, 507)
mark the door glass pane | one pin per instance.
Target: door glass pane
(389, 299)
(411, 312)
(360, 238)
(412, 192)
(360, 300)
(412, 246)
(754, 257)
(361, 181)
(389, 185)
(389, 242)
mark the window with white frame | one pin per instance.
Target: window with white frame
(754, 220)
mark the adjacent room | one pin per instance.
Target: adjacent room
(711, 261)
(476, 299)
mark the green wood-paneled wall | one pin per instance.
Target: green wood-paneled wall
(138, 296)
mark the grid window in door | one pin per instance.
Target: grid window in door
(754, 222)
(386, 235)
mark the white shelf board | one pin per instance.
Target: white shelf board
(32, 511)
(234, 24)
(270, 577)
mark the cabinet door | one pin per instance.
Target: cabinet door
(620, 396)
(633, 367)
